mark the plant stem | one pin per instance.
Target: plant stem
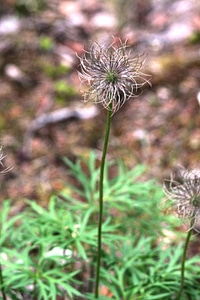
(1, 277)
(184, 258)
(107, 131)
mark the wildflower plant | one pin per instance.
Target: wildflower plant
(113, 76)
(184, 192)
(50, 253)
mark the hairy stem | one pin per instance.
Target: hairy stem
(107, 131)
(184, 259)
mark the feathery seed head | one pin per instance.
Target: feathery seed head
(112, 74)
(185, 193)
(3, 170)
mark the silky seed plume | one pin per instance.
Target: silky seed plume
(112, 75)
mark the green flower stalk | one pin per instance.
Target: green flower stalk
(113, 76)
(2, 171)
(184, 192)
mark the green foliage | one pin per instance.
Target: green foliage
(150, 273)
(55, 71)
(63, 90)
(51, 252)
(25, 7)
(195, 37)
(37, 253)
(46, 43)
(135, 202)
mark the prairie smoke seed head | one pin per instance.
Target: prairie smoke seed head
(2, 168)
(185, 193)
(112, 74)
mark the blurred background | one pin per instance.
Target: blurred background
(42, 113)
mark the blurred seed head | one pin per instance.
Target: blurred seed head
(183, 189)
(3, 169)
(112, 75)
